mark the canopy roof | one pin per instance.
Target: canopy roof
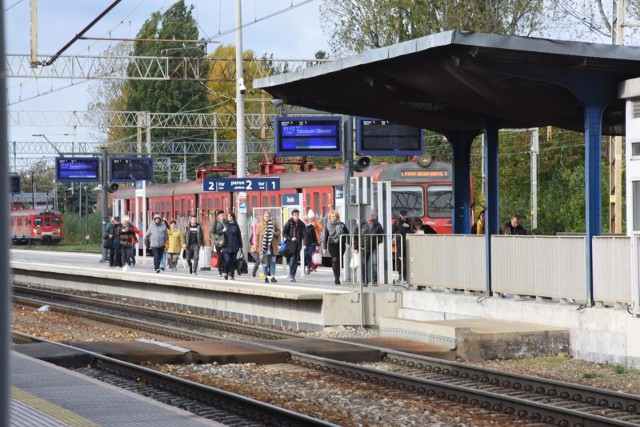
(456, 81)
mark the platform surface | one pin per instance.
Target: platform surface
(43, 394)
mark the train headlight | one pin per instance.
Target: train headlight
(38, 231)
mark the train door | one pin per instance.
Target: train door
(118, 207)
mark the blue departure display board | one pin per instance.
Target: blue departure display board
(15, 184)
(308, 136)
(386, 138)
(131, 169)
(77, 169)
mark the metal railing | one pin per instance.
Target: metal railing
(549, 267)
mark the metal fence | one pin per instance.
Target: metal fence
(550, 267)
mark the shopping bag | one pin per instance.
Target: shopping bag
(214, 260)
(355, 262)
(316, 258)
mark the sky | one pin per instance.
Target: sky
(288, 29)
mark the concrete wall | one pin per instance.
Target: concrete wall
(597, 334)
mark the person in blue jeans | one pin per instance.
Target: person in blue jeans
(310, 244)
(267, 240)
(156, 238)
(293, 233)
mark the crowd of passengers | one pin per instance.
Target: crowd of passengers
(168, 243)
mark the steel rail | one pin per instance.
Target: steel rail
(477, 386)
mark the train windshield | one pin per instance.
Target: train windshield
(409, 197)
(56, 222)
(37, 222)
(439, 199)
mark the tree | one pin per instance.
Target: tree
(592, 20)
(355, 26)
(178, 94)
(110, 95)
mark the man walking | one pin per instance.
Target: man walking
(156, 238)
(293, 234)
(192, 241)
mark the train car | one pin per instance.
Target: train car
(425, 191)
(36, 226)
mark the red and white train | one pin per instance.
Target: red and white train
(424, 191)
(36, 226)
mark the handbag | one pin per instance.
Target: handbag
(214, 260)
(288, 249)
(220, 241)
(241, 264)
(107, 243)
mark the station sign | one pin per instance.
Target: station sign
(240, 184)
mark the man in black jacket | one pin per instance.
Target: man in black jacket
(293, 233)
(514, 227)
(372, 236)
(400, 229)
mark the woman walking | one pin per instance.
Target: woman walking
(334, 242)
(233, 243)
(267, 242)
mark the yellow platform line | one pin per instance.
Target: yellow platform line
(51, 409)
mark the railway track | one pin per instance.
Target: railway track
(534, 399)
(208, 402)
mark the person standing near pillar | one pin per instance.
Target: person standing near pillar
(400, 229)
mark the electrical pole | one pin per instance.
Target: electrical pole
(240, 144)
(104, 210)
(615, 142)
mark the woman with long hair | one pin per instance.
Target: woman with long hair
(233, 243)
(334, 242)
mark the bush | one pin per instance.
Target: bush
(74, 228)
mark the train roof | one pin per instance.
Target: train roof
(23, 212)
(409, 171)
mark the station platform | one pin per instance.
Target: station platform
(43, 394)
(312, 303)
(457, 322)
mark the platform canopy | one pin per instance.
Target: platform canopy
(456, 81)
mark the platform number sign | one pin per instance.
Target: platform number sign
(240, 184)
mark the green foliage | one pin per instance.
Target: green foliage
(560, 178)
(75, 228)
(178, 94)
(590, 375)
(619, 369)
(355, 26)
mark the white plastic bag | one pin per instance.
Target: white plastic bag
(355, 262)
(316, 258)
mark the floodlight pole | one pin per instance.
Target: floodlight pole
(103, 208)
(348, 161)
(240, 145)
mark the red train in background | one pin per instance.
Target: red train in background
(36, 226)
(423, 189)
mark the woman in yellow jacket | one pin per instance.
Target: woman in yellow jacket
(175, 246)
